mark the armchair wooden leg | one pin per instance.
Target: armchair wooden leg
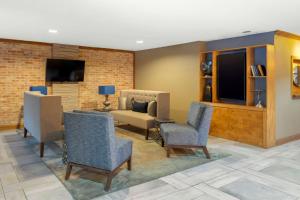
(162, 142)
(25, 133)
(129, 164)
(206, 152)
(108, 182)
(147, 134)
(42, 149)
(168, 152)
(68, 172)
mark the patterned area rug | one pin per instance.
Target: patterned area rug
(149, 162)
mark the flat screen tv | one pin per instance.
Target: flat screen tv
(60, 70)
(231, 77)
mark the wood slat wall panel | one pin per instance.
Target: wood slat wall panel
(60, 51)
(69, 94)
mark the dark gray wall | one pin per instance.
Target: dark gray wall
(249, 40)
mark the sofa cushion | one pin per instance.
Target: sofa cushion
(139, 106)
(141, 120)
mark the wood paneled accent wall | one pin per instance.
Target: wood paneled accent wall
(22, 64)
(69, 95)
(62, 51)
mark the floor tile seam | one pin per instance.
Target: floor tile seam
(274, 188)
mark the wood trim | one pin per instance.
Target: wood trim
(236, 48)
(287, 34)
(269, 136)
(242, 107)
(288, 139)
(106, 49)
(134, 63)
(249, 79)
(9, 127)
(50, 44)
(214, 77)
(201, 80)
(24, 42)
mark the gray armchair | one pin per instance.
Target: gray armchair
(192, 135)
(92, 144)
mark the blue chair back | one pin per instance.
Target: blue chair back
(42, 89)
(199, 117)
(90, 139)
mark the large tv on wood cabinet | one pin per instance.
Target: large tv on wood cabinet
(231, 77)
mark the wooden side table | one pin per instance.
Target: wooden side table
(157, 123)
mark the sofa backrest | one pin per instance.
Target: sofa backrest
(42, 115)
(90, 139)
(162, 99)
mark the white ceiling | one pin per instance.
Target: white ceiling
(119, 23)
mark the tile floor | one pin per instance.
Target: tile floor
(250, 174)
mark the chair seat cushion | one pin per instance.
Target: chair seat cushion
(141, 120)
(123, 151)
(177, 134)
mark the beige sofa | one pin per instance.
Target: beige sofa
(143, 120)
(42, 117)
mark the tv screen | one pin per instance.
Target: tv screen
(231, 79)
(59, 70)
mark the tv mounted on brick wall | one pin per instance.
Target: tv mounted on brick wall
(60, 70)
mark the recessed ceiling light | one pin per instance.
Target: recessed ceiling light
(52, 31)
(246, 32)
(139, 41)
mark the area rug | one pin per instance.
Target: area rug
(149, 162)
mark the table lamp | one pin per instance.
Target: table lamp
(106, 90)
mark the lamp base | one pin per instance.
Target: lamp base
(106, 103)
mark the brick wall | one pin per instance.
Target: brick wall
(23, 65)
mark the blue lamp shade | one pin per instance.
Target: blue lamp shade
(42, 89)
(106, 89)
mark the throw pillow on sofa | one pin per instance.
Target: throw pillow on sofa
(122, 103)
(141, 107)
(129, 101)
(152, 107)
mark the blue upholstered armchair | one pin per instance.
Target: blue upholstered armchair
(192, 135)
(91, 143)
